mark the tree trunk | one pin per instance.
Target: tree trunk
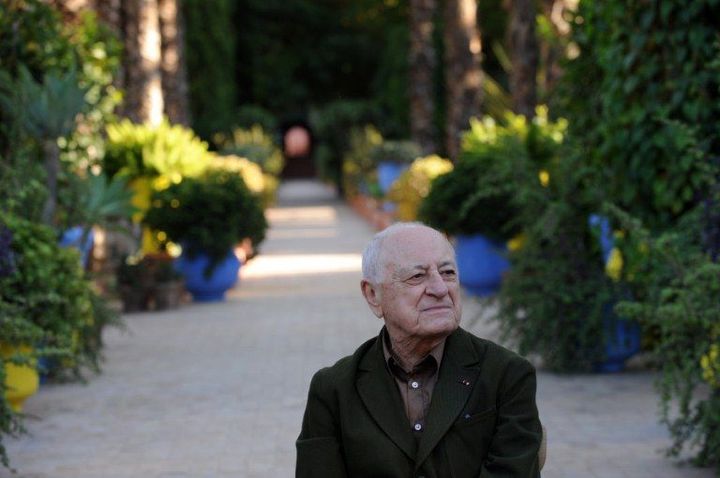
(463, 73)
(422, 66)
(524, 54)
(142, 81)
(51, 152)
(174, 76)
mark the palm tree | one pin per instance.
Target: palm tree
(463, 73)
(422, 66)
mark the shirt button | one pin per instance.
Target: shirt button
(414, 384)
(418, 427)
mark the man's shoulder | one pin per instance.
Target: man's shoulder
(491, 352)
(346, 367)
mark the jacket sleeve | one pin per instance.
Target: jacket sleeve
(319, 446)
(514, 448)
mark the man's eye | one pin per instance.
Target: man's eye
(449, 273)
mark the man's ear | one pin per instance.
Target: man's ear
(372, 296)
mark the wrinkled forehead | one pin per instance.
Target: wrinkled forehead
(416, 247)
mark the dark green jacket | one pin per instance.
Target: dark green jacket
(482, 421)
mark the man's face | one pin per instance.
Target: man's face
(419, 292)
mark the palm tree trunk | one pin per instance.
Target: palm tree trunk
(524, 54)
(143, 77)
(174, 75)
(422, 66)
(463, 73)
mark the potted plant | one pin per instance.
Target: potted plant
(462, 204)
(208, 216)
(479, 201)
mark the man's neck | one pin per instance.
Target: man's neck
(410, 351)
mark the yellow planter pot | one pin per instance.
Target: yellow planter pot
(21, 381)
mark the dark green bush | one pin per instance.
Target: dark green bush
(209, 214)
(676, 291)
(645, 81)
(498, 163)
(331, 126)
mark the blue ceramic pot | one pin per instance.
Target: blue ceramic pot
(621, 341)
(388, 172)
(73, 237)
(212, 288)
(481, 263)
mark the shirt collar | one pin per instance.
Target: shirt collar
(391, 358)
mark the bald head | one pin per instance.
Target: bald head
(373, 261)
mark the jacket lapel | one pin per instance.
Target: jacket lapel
(457, 377)
(382, 399)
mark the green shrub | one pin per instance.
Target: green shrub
(248, 116)
(49, 290)
(359, 175)
(499, 161)
(331, 126)
(676, 286)
(645, 81)
(254, 144)
(556, 292)
(170, 151)
(209, 214)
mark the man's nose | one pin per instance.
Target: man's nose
(436, 286)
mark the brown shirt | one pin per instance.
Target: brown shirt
(416, 385)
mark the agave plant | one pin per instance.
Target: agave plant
(46, 111)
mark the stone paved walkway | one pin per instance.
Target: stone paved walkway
(218, 390)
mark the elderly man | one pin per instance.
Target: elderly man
(425, 398)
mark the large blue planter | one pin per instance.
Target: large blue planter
(388, 172)
(621, 338)
(208, 289)
(481, 263)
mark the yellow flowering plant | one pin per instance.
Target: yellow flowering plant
(413, 185)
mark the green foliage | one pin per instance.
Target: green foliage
(642, 88)
(254, 144)
(208, 214)
(404, 152)
(248, 116)
(98, 52)
(554, 295)
(31, 34)
(282, 67)
(359, 175)
(675, 293)
(331, 126)
(22, 189)
(211, 62)
(45, 110)
(171, 151)
(48, 289)
(497, 164)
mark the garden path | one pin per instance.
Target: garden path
(218, 390)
